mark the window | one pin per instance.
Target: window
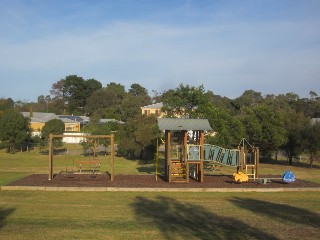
(70, 128)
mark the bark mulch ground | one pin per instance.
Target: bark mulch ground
(149, 181)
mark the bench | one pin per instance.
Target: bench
(92, 165)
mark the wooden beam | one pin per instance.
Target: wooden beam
(50, 157)
(112, 158)
(201, 155)
(257, 156)
(168, 155)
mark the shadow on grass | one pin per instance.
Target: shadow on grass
(4, 213)
(178, 220)
(278, 211)
(149, 167)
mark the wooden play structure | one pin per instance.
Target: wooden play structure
(181, 156)
(186, 154)
(92, 164)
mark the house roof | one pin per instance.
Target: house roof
(155, 105)
(40, 117)
(45, 117)
(103, 120)
(183, 124)
(315, 121)
(69, 118)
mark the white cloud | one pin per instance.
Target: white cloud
(227, 58)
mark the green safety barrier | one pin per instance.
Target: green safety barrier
(228, 157)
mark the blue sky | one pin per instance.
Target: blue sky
(270, 46)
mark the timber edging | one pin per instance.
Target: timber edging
(131, 189)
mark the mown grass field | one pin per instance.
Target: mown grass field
(140, 215)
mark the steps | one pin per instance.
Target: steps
(178, 172)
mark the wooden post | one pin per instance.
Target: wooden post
(185, 153)
(241, 159)
(112, 158)
(185, 142)
(168, 156)
(201, 155)
(187, 171)
(157, 159)
(50, 157)
(257, 156)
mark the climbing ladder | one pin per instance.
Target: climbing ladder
(251, 171)
(178, 172)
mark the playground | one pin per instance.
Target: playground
(187, 162)
(78, 206)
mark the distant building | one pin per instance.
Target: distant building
(154, 109)
(315, 121)
(73, 125)
(39, 119)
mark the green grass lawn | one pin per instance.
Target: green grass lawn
(127, 215)
(139, 215)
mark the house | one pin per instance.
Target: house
(315, 121)
(39, 119)
(153, 109)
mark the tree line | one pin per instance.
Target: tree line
(271, 122)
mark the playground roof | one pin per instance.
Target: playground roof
(183, 124)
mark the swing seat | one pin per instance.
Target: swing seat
(89, 165)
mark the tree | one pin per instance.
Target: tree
(117, 89)
(104, 103)
(311, 141)
(110, 102)
(264, 128)
(74, 91)
(228, 129)
(14, 129)
(5, 104)
(137, 90)
(295, 124)
(138, 137)
(185, 101)
(54, 126)
(43, 103)
(136, 98)
(58, 99)
(95, 127)
(248, 99)
(57, 90)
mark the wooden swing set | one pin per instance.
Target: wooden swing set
(94, 163)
